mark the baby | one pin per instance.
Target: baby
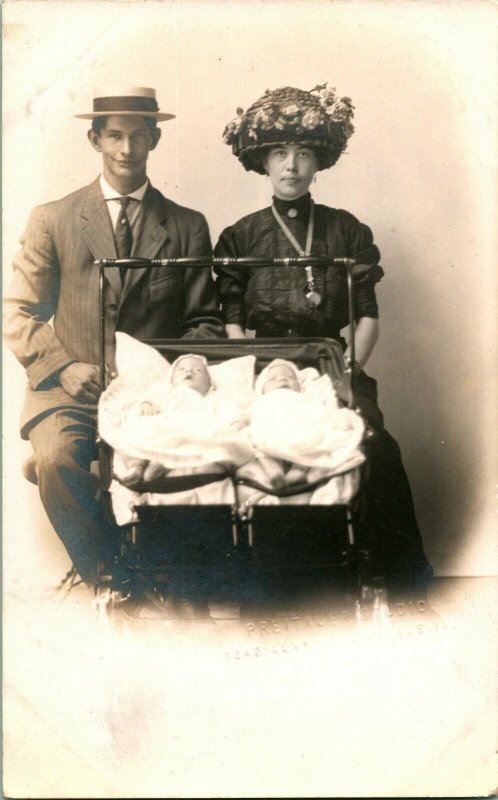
(190, 371)
(281, 374)
(299, 432)
(268, 471)
(184, 424)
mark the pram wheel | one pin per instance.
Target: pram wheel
(105, 601)
(136, 610)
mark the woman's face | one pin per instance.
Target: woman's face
(192, 372)
(291, 168)
(281, 377)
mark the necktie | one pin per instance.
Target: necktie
(123, 234)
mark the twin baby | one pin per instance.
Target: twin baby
(288, 430)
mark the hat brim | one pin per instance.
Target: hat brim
(157, 115)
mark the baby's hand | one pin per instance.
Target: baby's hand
(251, 470)
(273, 471)
(147, 409)
(154, 470)
(296, 475)
(266, 471)
(130, 473)
(248, 498)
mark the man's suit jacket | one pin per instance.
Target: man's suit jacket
(55, 276)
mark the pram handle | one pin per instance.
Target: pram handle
(350, 265)
(358, 269)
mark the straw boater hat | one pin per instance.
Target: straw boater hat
(127, 102)
(317, 119)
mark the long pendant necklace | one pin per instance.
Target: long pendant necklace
(312, 296)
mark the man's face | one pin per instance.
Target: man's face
(125, 143)
(281, 377)
(192, 372)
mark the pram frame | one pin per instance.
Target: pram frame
(352, 269)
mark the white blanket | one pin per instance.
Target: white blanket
(308, 429)
(189, 431)
(228, 426)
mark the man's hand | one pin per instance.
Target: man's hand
(81, 381)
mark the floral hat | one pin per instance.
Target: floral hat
(317, 119)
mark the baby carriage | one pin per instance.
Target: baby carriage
(264, 554)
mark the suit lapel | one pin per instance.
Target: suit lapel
(96, 231)
(150, 236)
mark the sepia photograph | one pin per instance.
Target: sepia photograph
(249, 398)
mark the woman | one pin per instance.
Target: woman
(289, 135)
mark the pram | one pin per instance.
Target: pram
(214, 552)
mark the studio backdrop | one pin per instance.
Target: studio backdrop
(420, 170)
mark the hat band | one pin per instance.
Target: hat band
(107, 105)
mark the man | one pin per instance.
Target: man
(55, 276)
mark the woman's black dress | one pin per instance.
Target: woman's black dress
(271, 301)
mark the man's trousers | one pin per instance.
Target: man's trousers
(64, 445)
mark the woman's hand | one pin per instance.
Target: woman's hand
(235, 331)
(366, 333)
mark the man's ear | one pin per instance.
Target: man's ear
(94, 140)
(155, 135)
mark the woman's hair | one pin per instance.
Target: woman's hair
(98, 123)
(317, 119)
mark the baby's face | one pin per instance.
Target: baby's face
(192, 372)
(281, 377)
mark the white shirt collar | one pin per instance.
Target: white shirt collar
(111, 194)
